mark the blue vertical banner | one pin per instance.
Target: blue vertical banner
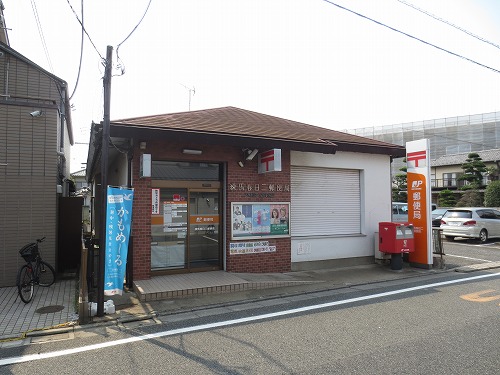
(118, 223)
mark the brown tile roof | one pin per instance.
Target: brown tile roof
(459, 159)
(231, 122)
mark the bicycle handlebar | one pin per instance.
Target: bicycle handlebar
(40, 240)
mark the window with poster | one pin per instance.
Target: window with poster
(250, 220)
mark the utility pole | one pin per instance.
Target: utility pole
(104, 178)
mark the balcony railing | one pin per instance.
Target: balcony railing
(453, 183)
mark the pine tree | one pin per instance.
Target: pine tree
(399, 186)
(474, 169)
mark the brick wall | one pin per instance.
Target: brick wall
(279, 261)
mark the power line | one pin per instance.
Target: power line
(81, 23)
(81, 56)
(411, 36)
(40, 32)
(128, 36)
(449, 23)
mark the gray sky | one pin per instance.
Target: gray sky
(304, 60)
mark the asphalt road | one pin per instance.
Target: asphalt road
(463, 252)
(444, 323)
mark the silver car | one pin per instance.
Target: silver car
(471, 222)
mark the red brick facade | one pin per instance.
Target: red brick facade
(240, 187)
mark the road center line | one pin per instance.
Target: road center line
(60, 353)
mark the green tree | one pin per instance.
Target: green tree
(399, 186)
(470, 198)
(492, 194)
(474, 169)
(446, 198)
(492, 173)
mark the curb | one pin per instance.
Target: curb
(478, 267)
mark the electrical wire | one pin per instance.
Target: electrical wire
(449, 23)
(40, 32)
(413, 37)
(81, 56)
(86, 33)
(121, 65)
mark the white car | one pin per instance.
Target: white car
(471, 222)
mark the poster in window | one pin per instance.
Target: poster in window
(256, 220)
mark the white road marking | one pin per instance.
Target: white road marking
(460, 256)
(60, 353)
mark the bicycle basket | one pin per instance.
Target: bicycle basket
(29, 252)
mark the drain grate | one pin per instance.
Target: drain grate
(49, 309)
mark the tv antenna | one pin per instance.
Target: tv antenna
(190, 90)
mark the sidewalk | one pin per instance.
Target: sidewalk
(54, 307)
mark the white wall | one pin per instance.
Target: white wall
(117, 171)
(375, 180)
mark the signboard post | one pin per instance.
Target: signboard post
(419, 201)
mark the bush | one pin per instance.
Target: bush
(471, 198)
(446, 198)
(492, 194)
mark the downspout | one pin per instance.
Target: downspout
(62, 116)
(7, 78)
(130, 156)
(130, 259)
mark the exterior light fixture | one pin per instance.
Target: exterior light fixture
(240, 163)
(191, 152)
(142, 145)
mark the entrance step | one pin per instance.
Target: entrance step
(185, 285)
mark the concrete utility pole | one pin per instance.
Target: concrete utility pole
(104, 178)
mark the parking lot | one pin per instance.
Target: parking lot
(463, 252)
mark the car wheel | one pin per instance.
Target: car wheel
(483, 236)
(449, 238)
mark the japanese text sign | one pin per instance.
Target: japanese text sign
(118, 223)
(419, 200)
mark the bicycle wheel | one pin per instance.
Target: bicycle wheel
(46, 274)
(25, 285)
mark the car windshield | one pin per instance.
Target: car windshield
(459, 214)
(438, 212)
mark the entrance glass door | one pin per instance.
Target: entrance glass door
(185, 233)
(169, 229)
(204, 234)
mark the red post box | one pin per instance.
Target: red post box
(396, 238)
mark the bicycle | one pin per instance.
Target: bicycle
(34, 272)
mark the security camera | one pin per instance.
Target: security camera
(251, 154)
(36, 113)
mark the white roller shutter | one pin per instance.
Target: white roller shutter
(325, 201)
